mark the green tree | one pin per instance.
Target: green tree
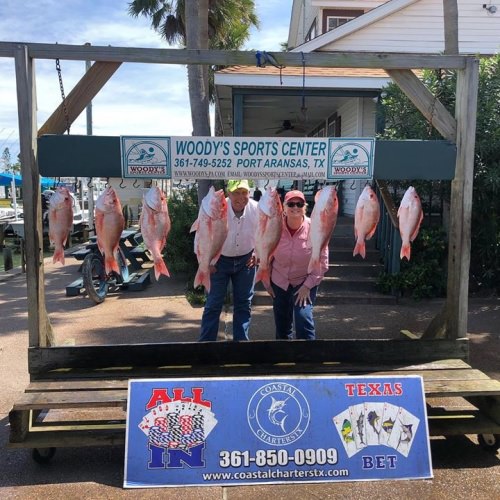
(404, 121)
(215, 24)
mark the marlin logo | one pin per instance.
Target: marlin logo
(276, 411)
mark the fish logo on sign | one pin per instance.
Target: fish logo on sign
(350, 159)
(146, 158)
(278, 414)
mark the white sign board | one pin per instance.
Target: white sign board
(331, 158)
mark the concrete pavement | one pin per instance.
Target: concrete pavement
(161, 313)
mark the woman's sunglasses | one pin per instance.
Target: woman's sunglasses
(298, 204)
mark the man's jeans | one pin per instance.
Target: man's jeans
(242, 277)
(286, 312)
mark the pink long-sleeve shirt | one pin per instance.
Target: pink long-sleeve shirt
(291, 259)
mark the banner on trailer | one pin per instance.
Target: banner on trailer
(247, 157)
(262, 430)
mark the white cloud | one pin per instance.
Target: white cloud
(139, 99)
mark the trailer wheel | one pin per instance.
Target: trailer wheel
(43, 455)
(489, 442)
(94, 277)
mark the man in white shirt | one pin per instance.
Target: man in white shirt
(236, 263)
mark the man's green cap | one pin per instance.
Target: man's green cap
(234, 184)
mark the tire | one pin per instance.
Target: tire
(489, 442)
(43, 455)
(94, 277)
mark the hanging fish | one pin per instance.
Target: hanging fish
(268, 233)
(366, 217)
(60, 221)
(155, 225)
(323, 220)
(410, 217)
(211, 232)
(109, 225)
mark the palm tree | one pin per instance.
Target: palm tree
(216, 24)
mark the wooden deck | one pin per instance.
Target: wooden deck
(57, 411)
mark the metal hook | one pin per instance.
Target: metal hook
(107, 182)
(121, 183)
(267, 183)
(89, 184)
(138, 185)
(353, 185)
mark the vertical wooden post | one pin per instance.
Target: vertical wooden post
(461, 201)
(450, 19)
(40, 331)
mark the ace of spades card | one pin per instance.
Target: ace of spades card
(404, 430)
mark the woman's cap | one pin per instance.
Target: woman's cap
(295, 193)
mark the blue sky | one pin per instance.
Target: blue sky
(139, 99)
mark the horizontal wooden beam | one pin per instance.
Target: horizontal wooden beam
(248, 353)
(229, 58)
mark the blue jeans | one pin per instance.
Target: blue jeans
(242, 277)
(286, 313)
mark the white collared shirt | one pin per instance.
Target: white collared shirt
(241, 231)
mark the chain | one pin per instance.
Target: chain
(433, 108)
(63, 97)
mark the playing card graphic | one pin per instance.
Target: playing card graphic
(404, 430)
(388, 420)
(358, 420)
(373, 427)
(343, 425)
(178, 424)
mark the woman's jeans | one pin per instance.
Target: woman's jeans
(242, 278)
(286, 313)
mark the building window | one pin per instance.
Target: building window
(334, 125)
(312, 31)
(333, 22)
(333, 18)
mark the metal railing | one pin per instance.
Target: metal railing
(388, 237)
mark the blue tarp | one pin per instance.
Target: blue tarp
(6, 180)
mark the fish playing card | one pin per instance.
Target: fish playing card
(388, 420)
(404, 430)
(358, 420)
(374, 413)
(343, 425)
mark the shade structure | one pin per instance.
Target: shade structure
(6, 180)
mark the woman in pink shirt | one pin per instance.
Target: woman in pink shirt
(293, 288)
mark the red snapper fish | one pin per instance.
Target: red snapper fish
(323, 220)
(366, 217)
(410, 217)
(211, 232)
(109, 224)
(60, 221)
(268, 233)
(155, 226)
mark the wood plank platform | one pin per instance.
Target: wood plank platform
(58, 412)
